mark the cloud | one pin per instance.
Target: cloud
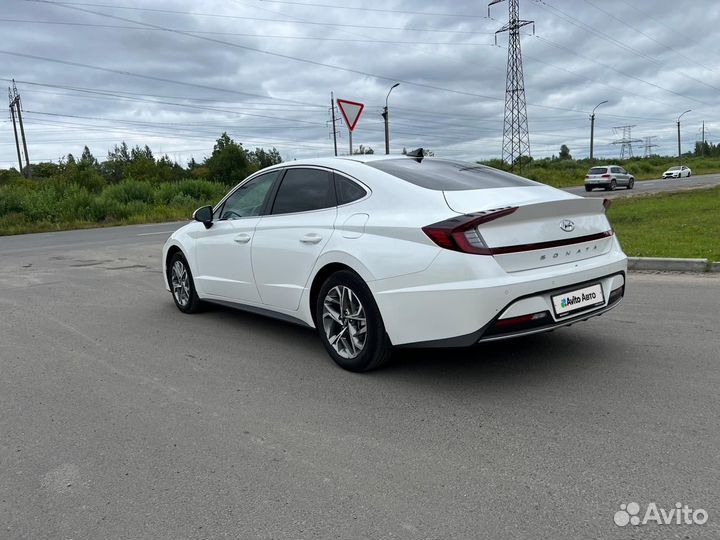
(650, 63)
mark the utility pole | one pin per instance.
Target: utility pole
(592, 128)
(332, 108)
(16, 108)
(17, 141)
(516, 139)
(678, 130)
(702, 146)
(386, 117)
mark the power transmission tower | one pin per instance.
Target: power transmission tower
(649, 145)
(16, 109)
(516, 139)
(627, 141)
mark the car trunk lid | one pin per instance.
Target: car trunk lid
(548, 227)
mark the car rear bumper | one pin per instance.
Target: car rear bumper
(422, 310)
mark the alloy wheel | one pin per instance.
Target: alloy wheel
(344, 321)
(180, 281)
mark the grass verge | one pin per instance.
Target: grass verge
(683, 224)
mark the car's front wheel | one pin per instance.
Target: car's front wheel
(631, 183)
(182, 284)
(349, 323)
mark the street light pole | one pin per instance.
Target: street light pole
(385, 116)
(678, 128)
(592, 128)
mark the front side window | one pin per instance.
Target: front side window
(303, 190)
(248, 200)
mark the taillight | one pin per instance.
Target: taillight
(460, 233)
(587, 176)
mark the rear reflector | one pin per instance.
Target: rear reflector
(519, 324)
(616, 294)
(522, 319)
(460, 233)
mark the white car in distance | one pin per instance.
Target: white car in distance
(383, 252)
(678, 171)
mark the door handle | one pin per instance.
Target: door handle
(311, 238)
(242, 238)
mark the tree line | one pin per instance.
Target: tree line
(229, 163)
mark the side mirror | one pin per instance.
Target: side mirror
(204, 214)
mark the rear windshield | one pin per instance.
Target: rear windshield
(446, 175)
(598, 170)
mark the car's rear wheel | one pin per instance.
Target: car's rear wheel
(613, 185)
(631, 183)
(182, 285)
(349, 323)
(588, 188)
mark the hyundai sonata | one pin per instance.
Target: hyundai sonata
(383, 252)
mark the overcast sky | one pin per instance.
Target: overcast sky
(174, 74)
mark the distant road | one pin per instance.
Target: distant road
(652, 186)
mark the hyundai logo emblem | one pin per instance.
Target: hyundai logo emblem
(567, 225)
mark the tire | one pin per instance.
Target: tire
(182, 285)
(613, 185)
(342, 301)
(689, 174)
(588, 188)
(631, 183)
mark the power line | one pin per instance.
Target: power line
(400, 11)
(651, 38)
(243, 34)
(259, 19)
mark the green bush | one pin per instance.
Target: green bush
(129, 191)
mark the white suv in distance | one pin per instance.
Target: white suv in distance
(608, 177)
(677, 172)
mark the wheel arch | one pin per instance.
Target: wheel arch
(326, 270)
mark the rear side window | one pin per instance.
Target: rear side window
(616, 170)
(302, 190)
(598, 170)
(347, 190)
(447, 175)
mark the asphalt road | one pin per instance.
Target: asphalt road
(123, 418)
(652, 186)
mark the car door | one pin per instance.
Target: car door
(224, 250)
(289, 239)
(625, 177)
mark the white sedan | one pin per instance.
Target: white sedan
(383, 252)
(677, 172)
